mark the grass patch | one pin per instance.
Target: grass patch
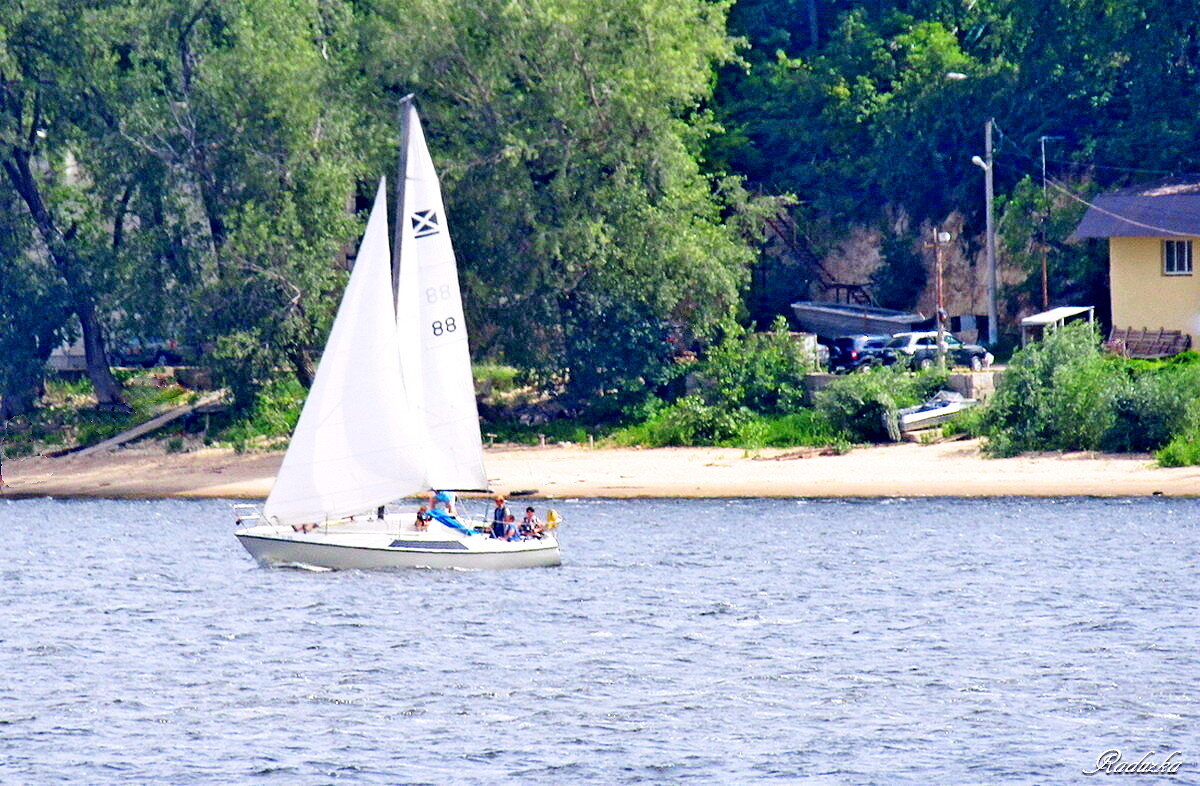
(689, 422)
(68, 417)
(269, 422)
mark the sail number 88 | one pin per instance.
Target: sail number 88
(434, 294)
(444, 326)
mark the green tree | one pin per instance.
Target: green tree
(567, 135)
(48, 49)
(235, 114)
(33, 312)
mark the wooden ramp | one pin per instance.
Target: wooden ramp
(153, 424)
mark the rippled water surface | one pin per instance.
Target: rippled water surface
(931, 641)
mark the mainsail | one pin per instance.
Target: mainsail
(435, 359)
(358, 443)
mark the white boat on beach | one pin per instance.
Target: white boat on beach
(391, 413)
(942, 407)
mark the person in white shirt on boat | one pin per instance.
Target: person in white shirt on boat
(531, 525)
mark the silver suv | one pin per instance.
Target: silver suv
(920, 350)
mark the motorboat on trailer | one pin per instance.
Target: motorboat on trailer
(391, 412)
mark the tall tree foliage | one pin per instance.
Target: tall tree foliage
(48, 50)
(567, 134)
(237, 136)
(866, 121)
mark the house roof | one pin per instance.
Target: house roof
(1170, 209)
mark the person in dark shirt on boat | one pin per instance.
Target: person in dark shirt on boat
(531, 525)
(423, 519)
(500, 517)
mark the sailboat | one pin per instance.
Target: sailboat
(391, 412)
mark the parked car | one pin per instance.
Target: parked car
(850, 353)
(920, 350)
(149, 353)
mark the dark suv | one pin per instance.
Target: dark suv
(850, 353)
(920, 350)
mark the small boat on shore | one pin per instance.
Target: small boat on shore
(391, 413)
(942, 407)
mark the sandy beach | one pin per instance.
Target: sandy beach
(904, 470)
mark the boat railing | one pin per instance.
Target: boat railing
(246, 514)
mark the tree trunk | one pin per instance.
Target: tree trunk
(302, 366)
(108, 392)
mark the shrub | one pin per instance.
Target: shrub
(1151, 408)
(494, 377)
(687, 422)
(864, 406)
(242, 362)
(763, 372)
(1055, 395)
(1182, 451)
(273, 415)
(1063, 393)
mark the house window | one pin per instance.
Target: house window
(1177, 257)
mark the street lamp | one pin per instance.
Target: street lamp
(986, 166)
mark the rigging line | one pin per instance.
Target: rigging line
(1118, 216)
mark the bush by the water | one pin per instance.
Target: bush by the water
(864, 406)
(691, 422)
(748, 391)
(763, 372)
(1065, 393)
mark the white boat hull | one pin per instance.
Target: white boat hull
(342, 547)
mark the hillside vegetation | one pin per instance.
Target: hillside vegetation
(182, 170)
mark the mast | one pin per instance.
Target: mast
(401, 177)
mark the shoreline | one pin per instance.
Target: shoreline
(949, 469)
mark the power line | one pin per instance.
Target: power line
(1126, 219)
(1118, 216)
(1017, 149)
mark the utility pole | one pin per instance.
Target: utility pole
(1045, 218)
(940, 238)
(986, 165)
(993, 310)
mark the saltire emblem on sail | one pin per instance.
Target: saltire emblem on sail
(424, 223)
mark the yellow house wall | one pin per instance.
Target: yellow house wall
(1142, 297)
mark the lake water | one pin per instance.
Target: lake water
(905, 641)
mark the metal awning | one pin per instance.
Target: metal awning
(1055, 318)
(1057, 315)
